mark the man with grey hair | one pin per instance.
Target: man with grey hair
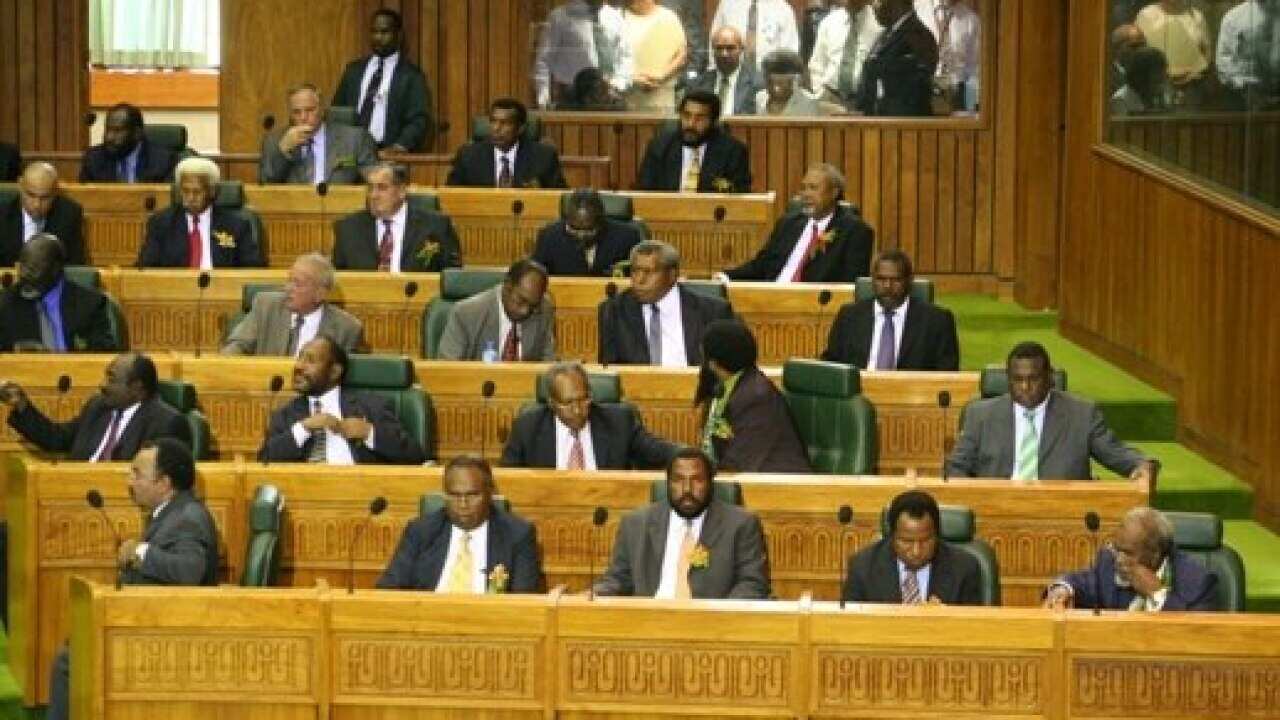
(198, 234)
(40, 207)
(312, 150)
(391, 234)
(824, 242)
(282, 323)
(657, 321)
(1141, 569)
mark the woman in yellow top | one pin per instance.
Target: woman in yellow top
(658, 48)
(1181, 32)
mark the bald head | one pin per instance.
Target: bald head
(37, 189)
(727, 44)
(40, 261)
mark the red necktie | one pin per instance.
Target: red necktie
(109, 446)
(385, 246)
(808, 249)
(577, 459)
(511, 348)
(194, 244)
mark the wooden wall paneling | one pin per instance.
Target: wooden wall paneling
(43, 51)
(927, 200)
(9, 66)
(1005, 125)
(946, 199)
(908, 173)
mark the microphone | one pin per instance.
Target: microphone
(202, 282)
(410, 289)
(94, 498)
(718, 216)
(376, 507)
(90, 119)
(824, 299)
(268, 122)
(944, 402)
(845, 517)
(64, 385)
(517, 209)
(6, 280)
(486, 392)
(149, 203)
(277, 382)
(598, 519)
(1092, 522)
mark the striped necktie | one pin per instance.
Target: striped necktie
(1028, 465)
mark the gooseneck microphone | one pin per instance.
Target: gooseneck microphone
(1092, 522)
(149, 203)
(94, 498)
(376, 507)
(598, 519)
(90, 119)
(63, 386)
(717, 215)
(845, 517)
(486, 393)
(944, 402)
(517, 209)
(202, 282)
(824, 299)
(268, 122)
(410, 289)
(276, 384)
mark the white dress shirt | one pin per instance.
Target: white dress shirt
(1248, 45)
(802, 247)
(337, 451)
(310, 327)
(1021, 427)
(676, 526)
(510, 155)
(899, 324)
(125, 416)
(30, 226)
(829, 42)
(567, 45)
(206, 227)
(673, 352)
(479, 557)
(687, 155)
(959, 58)
(504, 328)
(922, 578)
(398, 221)
(775, 25)
(378, 122)
(564, 443)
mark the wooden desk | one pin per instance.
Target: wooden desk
(165, 652)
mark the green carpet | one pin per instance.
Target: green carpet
(10, 694)
(1259, 547)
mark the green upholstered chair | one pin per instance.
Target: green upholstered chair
(794, 206)
(959, 529)
(480, 129)
(606, 387)
(181, 396)
(262, 553)
(455, 284)
(836, 423)
(88, 276)
(424, 202)
(248, 292)
(394, 379)
(8, 191)
(1200, 535)
(921, 289)
(994, 380)
(726, 491)
(169, 136)
(710, 288)
(229, 195)
(617, 207)
(434, 502)
(341, 115)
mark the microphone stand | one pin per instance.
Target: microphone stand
(1092, 522)
(824, 299)
(944, 402)
(598, 519)
(375, 508)
(410, 289)
(277, 382)
(94, 498)
(845, 517)
(486, 393)
(202, 282)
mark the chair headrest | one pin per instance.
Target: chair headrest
(227, 194)
(341, 115)
(83, 275)
(249, 291)
(179, 395)
(460, 283)
(922, 289)
(794, 206)
(480, 129)
(170, 136)
(821, 378)
(606, 387)
(383, 372)
(958, 524)
(1196, 531)
(424, 202)
(710, 288)
(994, 380)
(616, 207)
(434, 502)
(264, 511)
(725, 491)
(8, 191)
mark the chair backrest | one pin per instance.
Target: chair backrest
(921, 289)
(709, 288)
(424, 202)
(8, 191)
(181, 396)
(455, 284)
(169, 136)
(434, 502)
(341, 115)
(616, 207)
(794, 206)
(994, 380)
(606, 387)
(480, 129)
(393, 378)
(248, 292)
(726, 491)
(1200, 535)
(959, 528)
(117, 326)
(836, 423)
(262, 553)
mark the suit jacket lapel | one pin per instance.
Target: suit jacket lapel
(544, 440)
(1005, 434)
(1055, 426)
(498, 550)
(437, 551)
(412, 242)
(98, 430)
(939, 573)
(689, 324)
(864, 325)
(129, 437)
(519, 173)
(889, 571)
(911, 333)
(599, 437)
(656, 530)
(633, 315)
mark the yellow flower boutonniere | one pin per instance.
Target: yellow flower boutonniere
(721, 429)
(824, 240)
(722, 185)
(224, 239)
(498, 578)
(533, 184)
(699, 557)
(429, 250)
(621, 269)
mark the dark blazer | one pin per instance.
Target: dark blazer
(725, 159)
(10, 162)
(954, 577)
(85, 324)
(182, 546)
(901, 63)
(745, 87)
(846, 258)
(737, 567)
(537, 166)
(764, 435)
(408, 102)
(155, 165)
(357, 236)
(618, 437)
(620, 326)
(80, 437)
(166, 240)
(424, 548)
(561, 254)
(1194, 586)
(929, 339)
(65, 219)
(393, 446)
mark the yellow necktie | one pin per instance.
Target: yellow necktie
(690, 183)
(464, 570)
(682, 565)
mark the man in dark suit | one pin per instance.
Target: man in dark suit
(471, 546)
(10, 162)
(912, 565)
(198, 234)
(894, 331)
(691, 546)
(586, 242)
(329, 424)
(1141, 571)
(46, 312)
(825, 242)
(746, 424)
(698, 155)
(657, 321)
(125, 155)
(312, 150)
(571, 432)
(731, 79)
(897, 75)
(392, 235)
(178, 547)
(389, 93)
(40, 207)
(507, 159)
(1034, 432)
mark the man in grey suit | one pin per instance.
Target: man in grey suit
(281, 323)
(692, 546)
(313, 151)
(513, 321)
(1034, 432)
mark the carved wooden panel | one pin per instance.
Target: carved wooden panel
(887, 680)
(437, 670)
(1206, 687)
(158, 665)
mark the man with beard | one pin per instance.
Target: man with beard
(511, 322)
(312, 150)
(825, 242)
(125, 155)
(471, 546)
(691, 546)
(196, 233)
(747, 426)
(40, 207)
(894, 331)
(327, 423)
(897, 75)
(390, 235)
(506, 159)
(698, 155)
(389, 92)
(586, 242)
(44, 311)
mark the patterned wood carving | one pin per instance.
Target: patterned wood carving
(687, 674)
(157, 665)
(114, 239)
(854, 680)
(178, 326)
(77, 532)
(1205, 687)
(319, 534)
(487, 668)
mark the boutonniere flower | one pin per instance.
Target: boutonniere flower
(722, 185)
(823, 241)
(344, 161)
(721, 429)
(699, 557)
(429, 250)
(79, 343)
(533, 184)
(224, 238)
(498, 578)
(620, 269)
